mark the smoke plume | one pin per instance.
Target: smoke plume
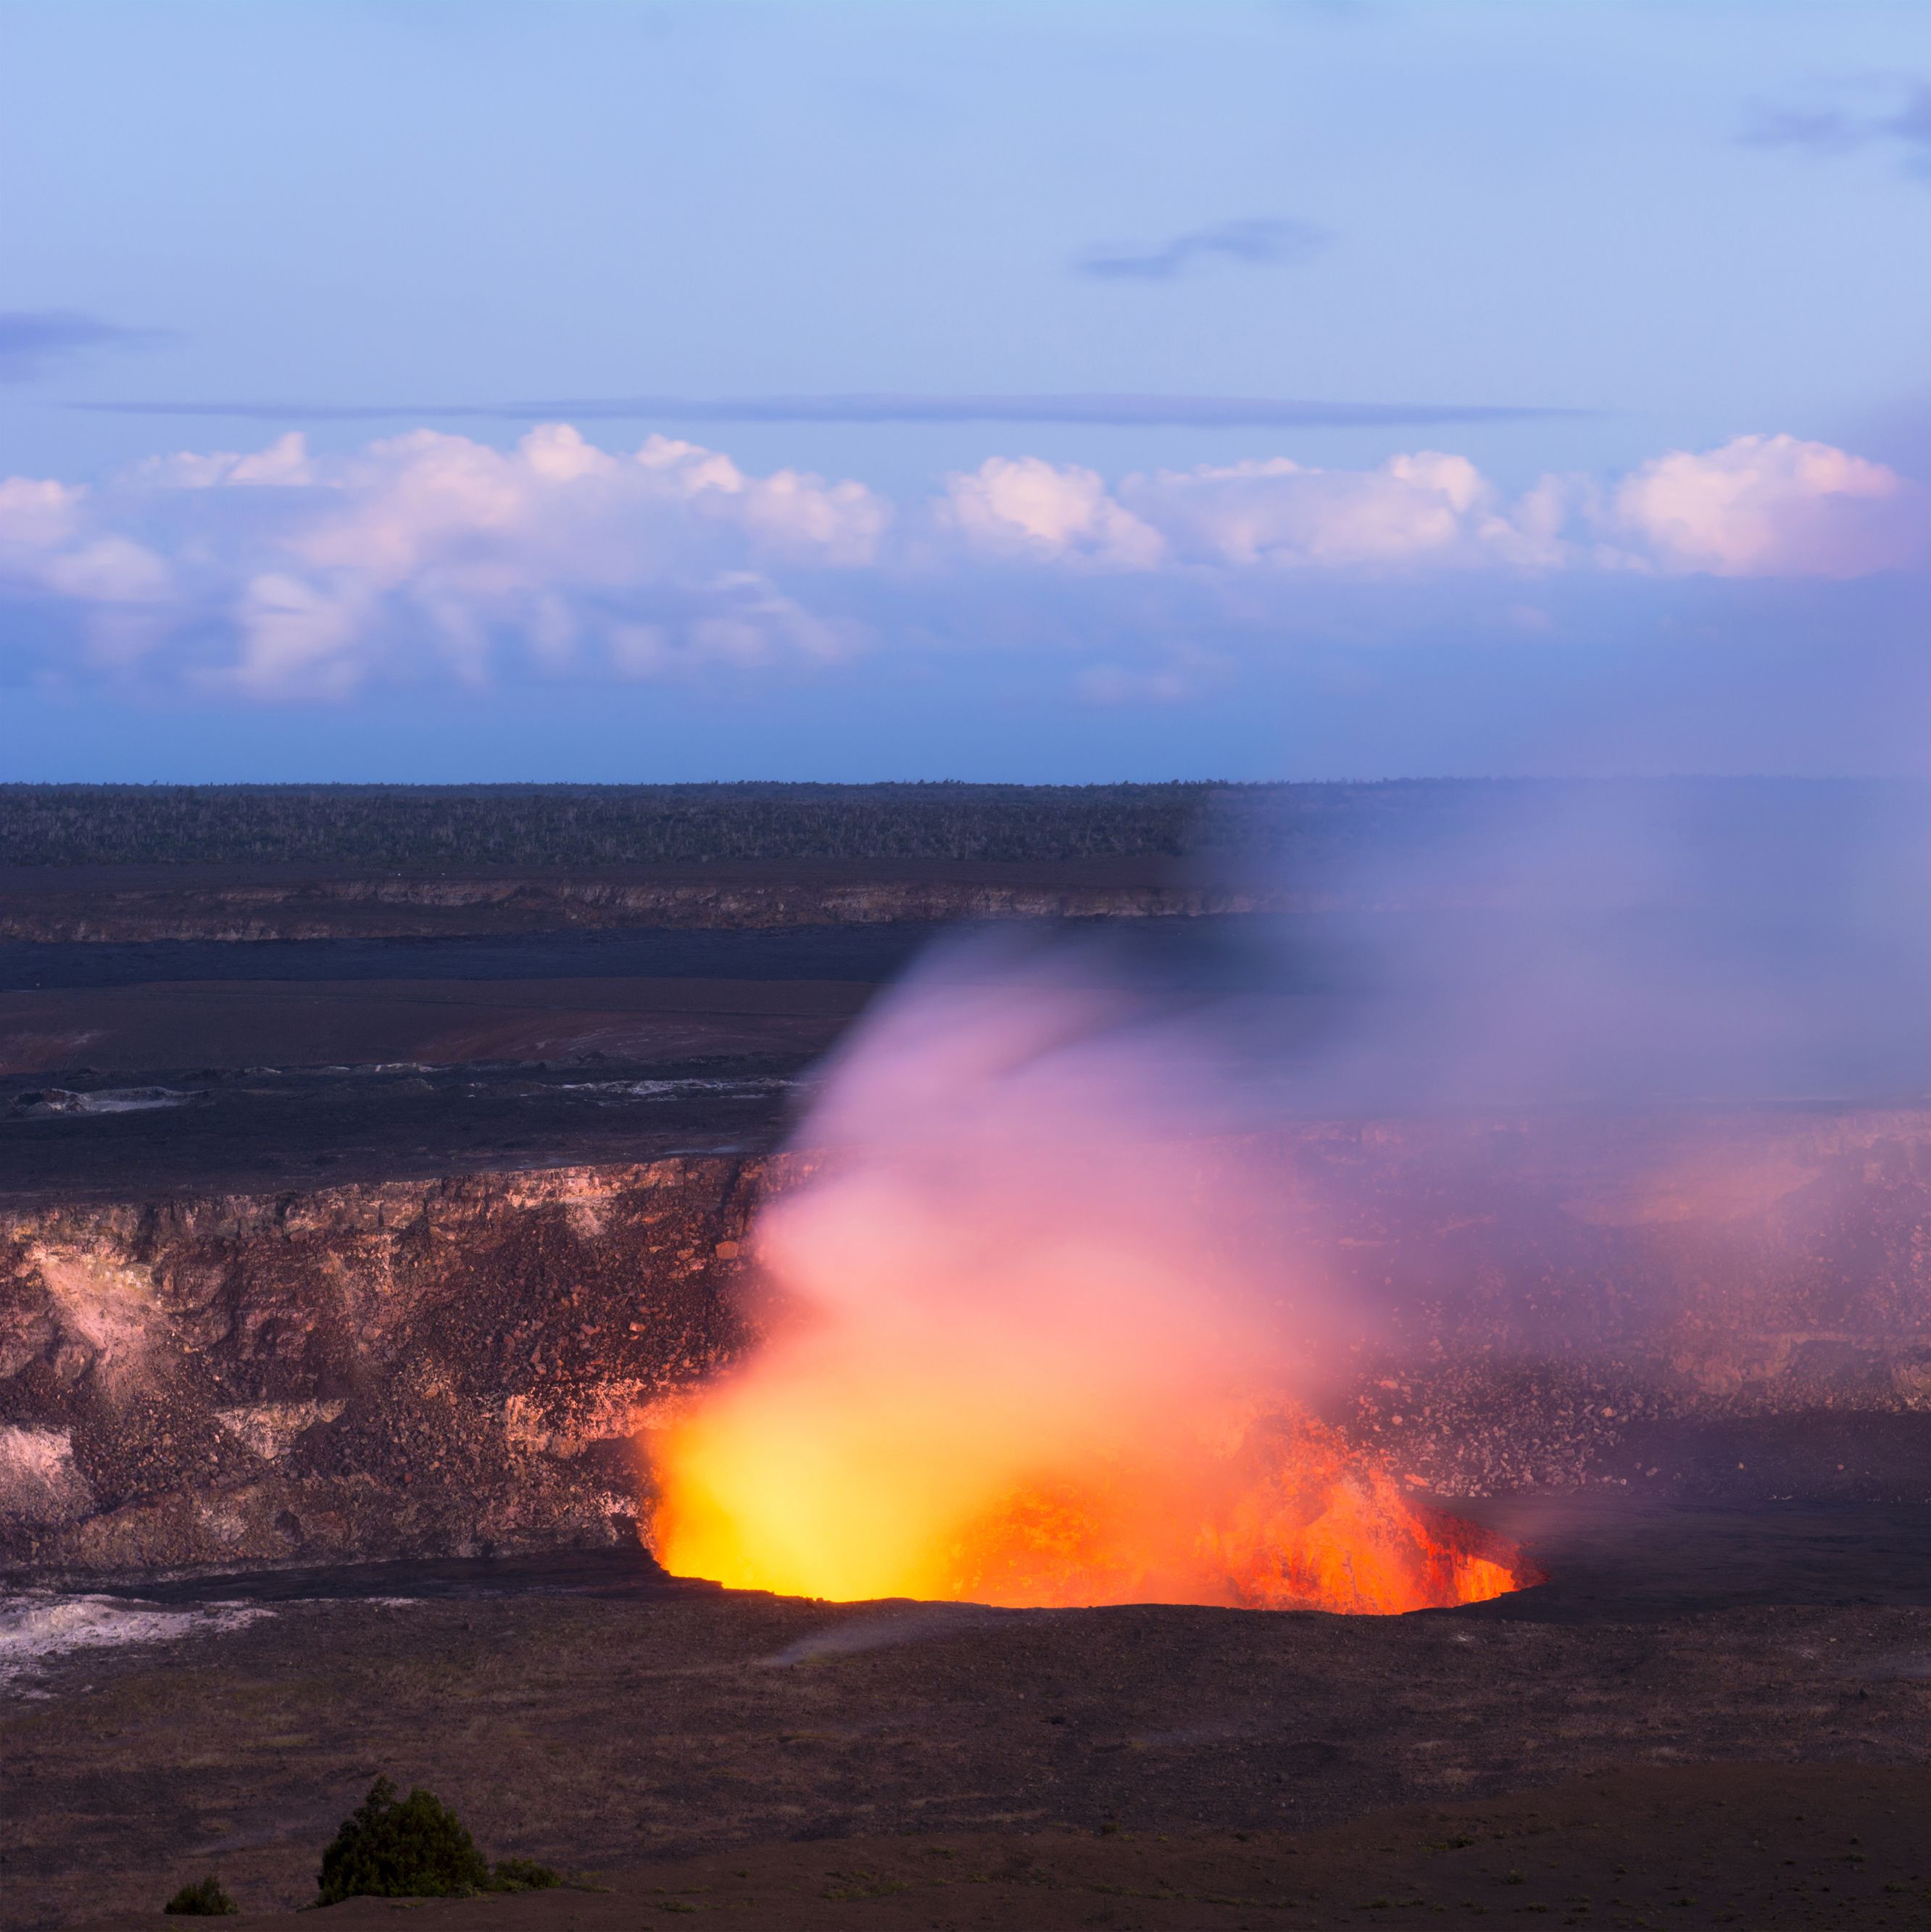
(1054, 1304)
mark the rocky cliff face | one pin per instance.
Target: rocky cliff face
(449, 1366)
(467, 1364)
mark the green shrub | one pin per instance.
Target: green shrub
(413, 1847)
(522, 1875)
(204, 1899)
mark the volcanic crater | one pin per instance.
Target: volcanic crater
(345, 1311)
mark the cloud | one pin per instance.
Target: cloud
(1426, 508)
(1276, 514)
(1773, 506)
(33, 342)
(1833, 129)
(283, 574)
(428, 559)
(36, 513)
(1128, 411)
(1024, 506)
(1824, 131)
(1256, 243)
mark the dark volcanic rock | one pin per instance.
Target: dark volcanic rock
(449, 1365)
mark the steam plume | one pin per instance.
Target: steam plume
(1055, 1306)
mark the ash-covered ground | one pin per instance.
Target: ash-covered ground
(682, 1748)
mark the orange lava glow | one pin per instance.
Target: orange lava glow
(1025, 1348)
(1282, 1519)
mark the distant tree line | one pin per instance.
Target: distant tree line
(603, 825)
(557, 825)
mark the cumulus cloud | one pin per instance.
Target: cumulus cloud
(282, 573)
(1772, 506)
(1428, 507)
(1032, 508)
(33, 342)
(1259, 242)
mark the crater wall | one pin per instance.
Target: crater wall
(1713, 1304)
(449, 1366)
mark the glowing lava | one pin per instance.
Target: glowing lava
(868, 1505)
(1027, 1348)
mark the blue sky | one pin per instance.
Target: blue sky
(1608, 323)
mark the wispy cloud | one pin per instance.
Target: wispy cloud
(1824, 131)
(1834, 130)
(1131, 412)
(33, 342)
(1259, 242)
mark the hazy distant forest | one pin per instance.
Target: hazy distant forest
(574, 825)
(616, 825)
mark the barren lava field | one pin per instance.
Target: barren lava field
(1671, 1743)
